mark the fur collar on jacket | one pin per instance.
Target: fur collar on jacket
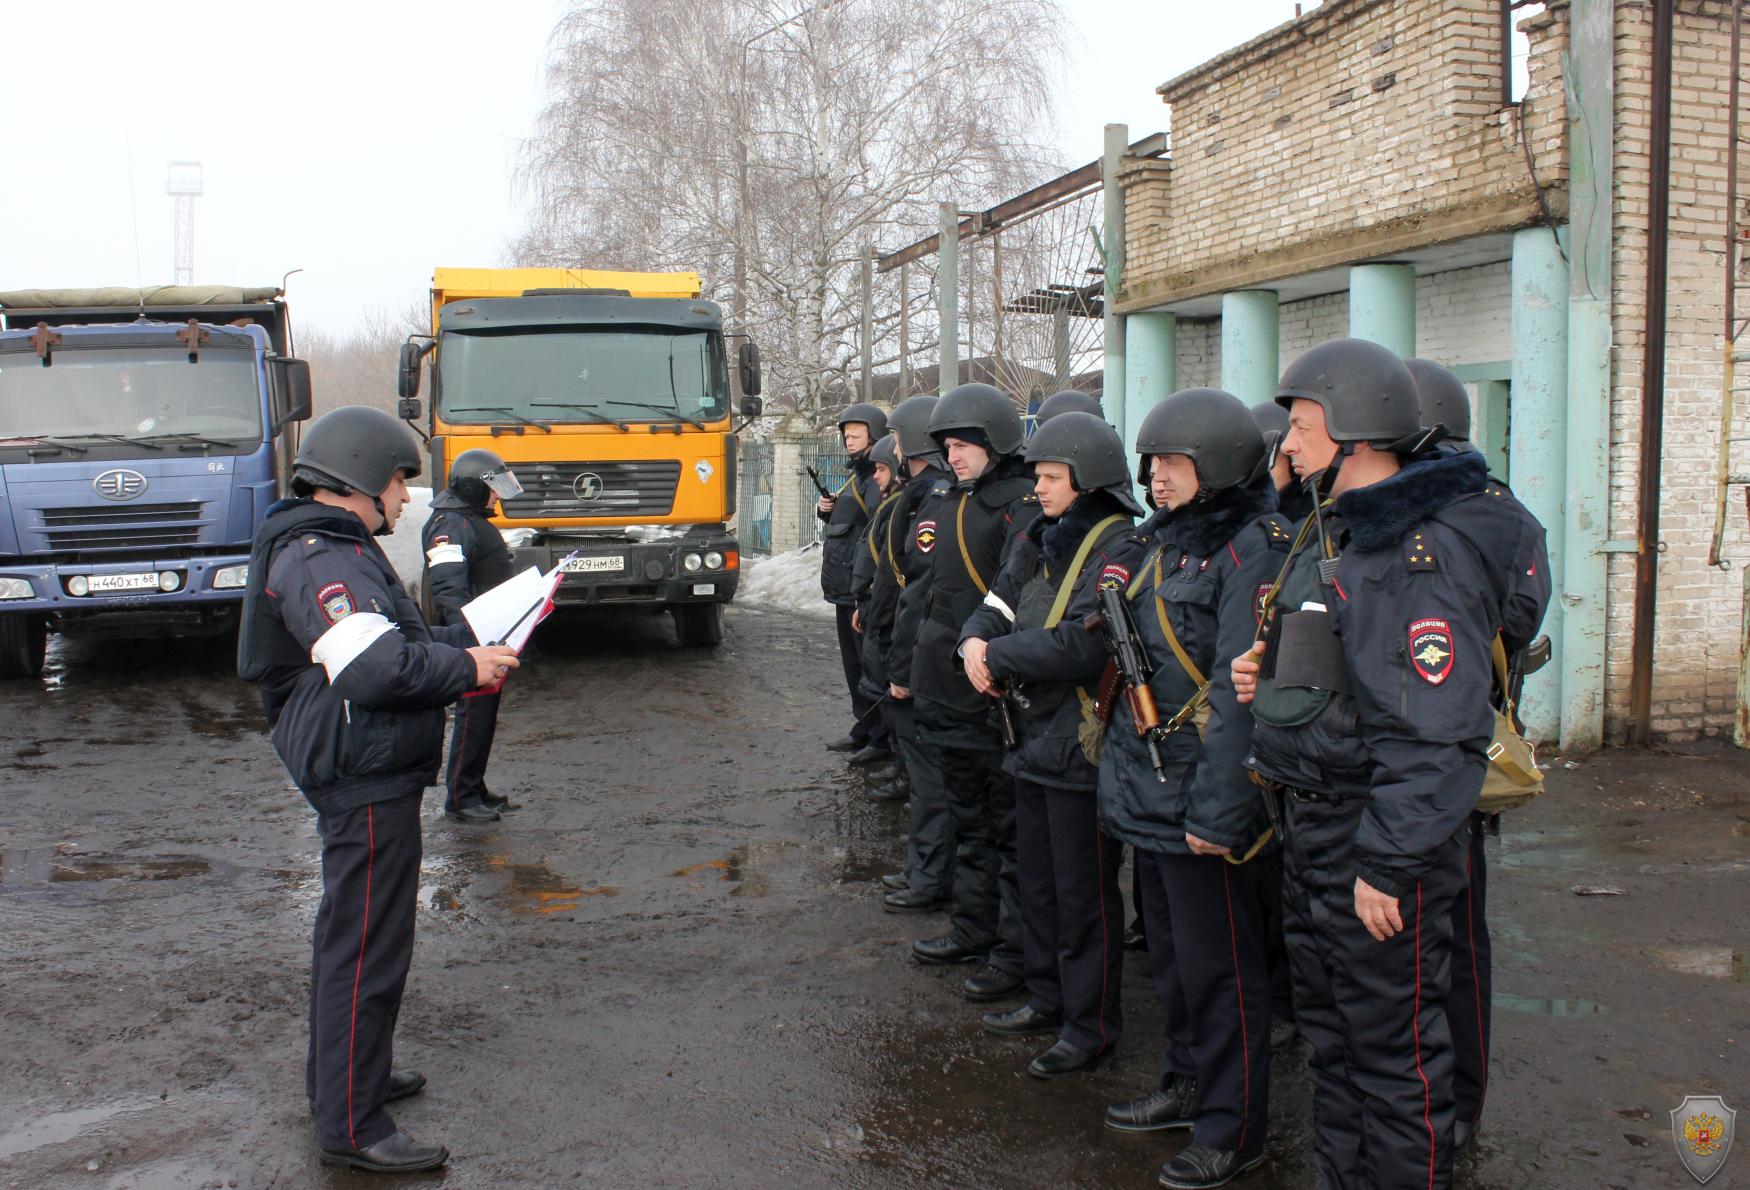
(1294, 502)
(1204, 526)
(1379, 514)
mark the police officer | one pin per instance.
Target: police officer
(967, 530)
(846, 514)
(1445, 402)
(354, 685)
(1197, 822)
(1293, 498)
(1069, 400)
(1027, 643)
(1371, 700)
(874, 576)
(929, 847)
(465, 555)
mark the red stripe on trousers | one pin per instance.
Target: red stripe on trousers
(1470, 921)
(1105, 939)
(1233, 949)
(1416, 1036)
(358, 974)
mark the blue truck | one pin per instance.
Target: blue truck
(143, 435)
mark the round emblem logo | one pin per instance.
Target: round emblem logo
(119, 484)
(587, 486)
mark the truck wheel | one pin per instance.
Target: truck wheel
(699, 623)
(24, 641)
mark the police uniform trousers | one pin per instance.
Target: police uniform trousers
(1469, 1006)
(363, 946)
(984, 903)
(929, 847)
(868, 727)
(476, 724)
(1206, 947)
(1373, 1013)
(1269, 864)
(1072, 912)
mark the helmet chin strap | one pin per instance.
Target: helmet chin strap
(382, 529)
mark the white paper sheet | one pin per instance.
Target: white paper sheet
(509, 612)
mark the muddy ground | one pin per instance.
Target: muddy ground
(672, 969)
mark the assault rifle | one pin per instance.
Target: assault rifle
(818, 486)
(1131, 670)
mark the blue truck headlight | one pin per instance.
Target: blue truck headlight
(231, 578)
(16, 588)
(169, 580)
(78, 584)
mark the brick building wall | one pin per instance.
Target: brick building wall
(1368, 129)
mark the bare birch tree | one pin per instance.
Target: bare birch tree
(767, 143)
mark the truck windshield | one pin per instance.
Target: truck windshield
(581, 375)
(129, 393)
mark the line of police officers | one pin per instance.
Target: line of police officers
(1316, 597)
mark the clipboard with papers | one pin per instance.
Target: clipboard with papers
(509, 613)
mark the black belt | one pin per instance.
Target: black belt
(1314, 795)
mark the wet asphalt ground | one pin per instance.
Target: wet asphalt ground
(671, 968)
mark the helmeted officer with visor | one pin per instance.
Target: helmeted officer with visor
(354, 685)
(1371, 695)
(1027, 643)
(847, 514)
(465, 555)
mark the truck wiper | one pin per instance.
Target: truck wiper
(57, 445)
(123, 439)
(186, 439)
(674, 413)
(507, 411)
(586, 411)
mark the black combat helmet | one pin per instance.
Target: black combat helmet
(354, 449)
(478, 475)
(1444, 400)
(982, 409)
(886, 453)
(1090, 449)
(1367, 393)
(1213, 429)
(1070, 399)
(872, 416)
(911, 424)
(1272, 422)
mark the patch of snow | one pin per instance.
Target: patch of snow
(787, 582)
(403, 546)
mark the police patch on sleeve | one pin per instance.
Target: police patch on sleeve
(1431, 650)
(1114, 578)
(926, 536)
(336, 602)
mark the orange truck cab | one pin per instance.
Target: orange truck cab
(609, 395)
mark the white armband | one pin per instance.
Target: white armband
(337, 648)
(438, 555)
(991, 600)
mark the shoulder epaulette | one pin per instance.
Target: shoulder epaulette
(1421, 553)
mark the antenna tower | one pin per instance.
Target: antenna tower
(184, 185)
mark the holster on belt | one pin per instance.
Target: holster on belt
(1273, 795)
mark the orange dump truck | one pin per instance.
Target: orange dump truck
(609, 395)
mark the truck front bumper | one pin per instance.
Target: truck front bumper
(654, 572)
(193, 603)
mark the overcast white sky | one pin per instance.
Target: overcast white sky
(366, 142)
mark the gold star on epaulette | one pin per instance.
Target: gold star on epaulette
(1495, 491)
(1421, 557)
(1030, 498)
(1277, 532)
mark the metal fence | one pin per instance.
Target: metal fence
(754, 498)
(827, 457)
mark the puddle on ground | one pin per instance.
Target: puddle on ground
(452, 881)
(1717, 962)
(754, 867)
(1547, 1005)
(38, 870)
(64, 1126)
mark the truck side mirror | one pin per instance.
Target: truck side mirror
(292, 379)
(749, 367)
(410, 409)
(752, 407)
(407, 375)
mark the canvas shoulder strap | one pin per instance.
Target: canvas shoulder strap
(960, 540)
(1064, 589)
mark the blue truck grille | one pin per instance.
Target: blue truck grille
(136, 527)
(643, 487)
